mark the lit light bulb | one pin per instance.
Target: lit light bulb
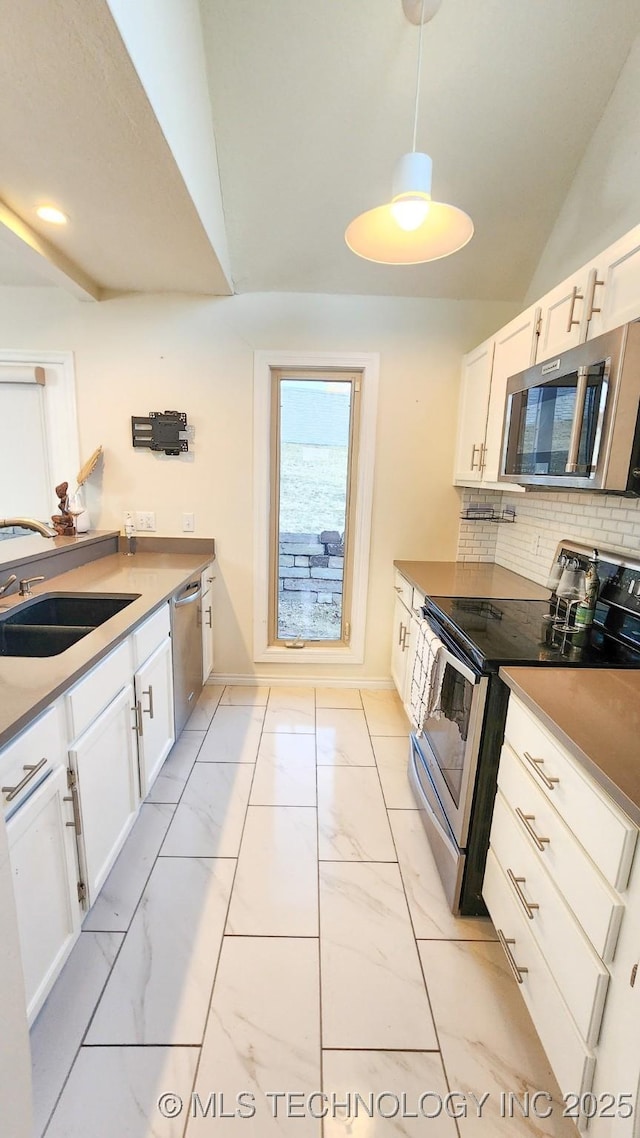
(52, 214)
(410, 212)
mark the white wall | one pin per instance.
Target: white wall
(142, 353)
(164, 40)
(603, 201)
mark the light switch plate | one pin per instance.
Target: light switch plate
(188, 523)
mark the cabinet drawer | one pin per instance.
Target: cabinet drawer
(576, 968)
(572, 1061)
(150, 635)
(595, 904)
(403, 589)
(606, 833)
(87, 699)
(44, 739)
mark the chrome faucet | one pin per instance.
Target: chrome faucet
(28, 523)
(6, 584)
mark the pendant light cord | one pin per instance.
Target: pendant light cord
(415, 113)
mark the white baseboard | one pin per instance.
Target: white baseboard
(381, 683)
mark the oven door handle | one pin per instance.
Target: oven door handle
(451, 654)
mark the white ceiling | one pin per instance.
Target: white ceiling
(77, 129)
(312, 105)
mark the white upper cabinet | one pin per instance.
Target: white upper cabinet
(564, 316)
(614, 294)
(514, 350)
(472, 414)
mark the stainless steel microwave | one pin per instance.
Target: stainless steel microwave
(573, 421)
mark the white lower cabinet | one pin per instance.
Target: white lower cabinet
(154, 714)
(400, 646)
(42, 852)
(72, 784)
(561, 890)
(105, 763)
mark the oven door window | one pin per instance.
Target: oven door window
(541, 426)
(447, 729)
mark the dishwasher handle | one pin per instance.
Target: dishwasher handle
(191, 594)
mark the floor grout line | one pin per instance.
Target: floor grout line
(415, 938)
(226, 917)
(126, 932)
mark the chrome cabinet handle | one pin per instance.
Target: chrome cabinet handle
(517, 883)
(10, 792)
(594, 283)
(149, 710)
(575, 295)
(398, 588)
(548, 780)
(526, 820)
(483, 457)
(405, 639)
(475, 448)
(138, 725)
(518, 969)
(400, 630)
(72, 783)
(210, 615)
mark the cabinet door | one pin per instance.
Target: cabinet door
(472, 414)
(105, 762)
(206, 621)
(45, 879)
(564, 317)
(154, 714)
(514, 350)
(615, 290)
(410, 642)
(399, 645)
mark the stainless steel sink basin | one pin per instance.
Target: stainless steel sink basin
(47, 625)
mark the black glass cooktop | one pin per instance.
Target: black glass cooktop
(495, 632)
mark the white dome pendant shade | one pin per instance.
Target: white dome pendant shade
(411, 228)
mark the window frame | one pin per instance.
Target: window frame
(265, 363)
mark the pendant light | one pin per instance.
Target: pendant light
(411, 228)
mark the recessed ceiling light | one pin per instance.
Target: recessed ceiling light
(50, 213)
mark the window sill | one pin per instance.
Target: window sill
(349, 654)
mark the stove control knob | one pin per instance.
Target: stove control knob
(632, 585)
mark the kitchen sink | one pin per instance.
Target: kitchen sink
(47, 626)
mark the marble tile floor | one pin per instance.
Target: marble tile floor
(274, 930)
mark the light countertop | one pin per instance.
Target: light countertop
(595, 714)
(29, 685)
(469, 579)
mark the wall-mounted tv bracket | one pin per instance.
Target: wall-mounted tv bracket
(161, 430)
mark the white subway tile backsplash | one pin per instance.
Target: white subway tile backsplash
(542, 520)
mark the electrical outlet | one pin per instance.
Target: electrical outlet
(145, 520)
(188, 523)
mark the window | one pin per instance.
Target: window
(41, 435)
(314, 427)
(314, 422)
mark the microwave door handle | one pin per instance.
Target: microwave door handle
(576, 427)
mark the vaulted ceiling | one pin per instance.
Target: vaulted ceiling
(311, 105)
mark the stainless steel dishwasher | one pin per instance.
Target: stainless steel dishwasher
(186, 635)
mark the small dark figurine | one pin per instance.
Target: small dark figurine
(64, 523)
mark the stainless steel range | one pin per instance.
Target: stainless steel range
(454, 758)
